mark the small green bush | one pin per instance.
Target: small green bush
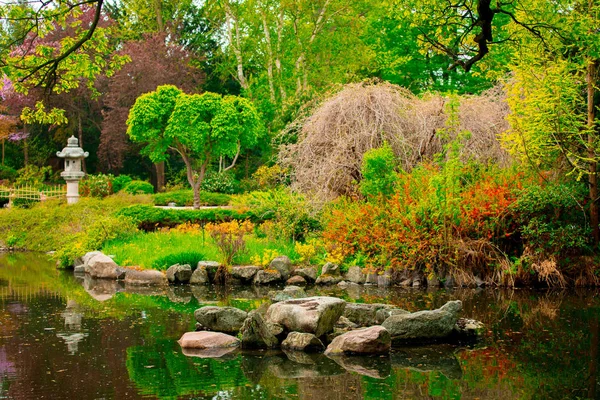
(98, 186)
(186, 257)
(186, 198)
(33, 175)
(139, 187)
(220, 182)
(379, 172)
(119, 182)
(8, 173)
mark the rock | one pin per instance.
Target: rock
(373, 340)
(308, 273)
(79, 269)
(468, 328)
(327, 279)
(145, 277)
(479, 282)
(211, 268)
(179, 273)
(371, 278)
(283, 265)
(424, 325)
(300, 341)
(221, 319)
(102, 266)
(406, 282)
(384, 313)
(364, 314)
(204, 340)
(374, 367)
(315, 315)
(275, 329)
(199, 276)
(384, 280)
(345, 323)
(245, 273)
(267, 276)
(121, 271)
(343, 284)
(433, 281)
(288, 293)
(218, 352)
(449, 281)
(296, 280)
(256, 334)
(88, 256)
(418, 280)
(355, 275)
(330, 269)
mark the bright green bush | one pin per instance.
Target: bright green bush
(8, 173)
(220, 182)
(379, 172)
(98, 185)
(139, 187)
(185, 257)
(33, 175)
(119, 182)
(186, 198)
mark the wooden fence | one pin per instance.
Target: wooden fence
(32, 193)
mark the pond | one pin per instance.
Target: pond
(64, 338)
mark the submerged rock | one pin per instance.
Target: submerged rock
(256, 333)
(179, 273)
(145, 277)
(288, 293)
(221, 319)
(315, 315)
(424, 326)
(468, 328)
(308, 273)
(300, 341)
(372, 340)
(204, 340)
(199, 276)
(283, 265)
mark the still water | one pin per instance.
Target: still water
(68, 338)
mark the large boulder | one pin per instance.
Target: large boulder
(221, 319)
(326, 279)
(373, 340)
(308, 273)
(301, 341)
(267, 276)
(424, 326)
(87, 257)
(102, 266)
(145, 277)
(179, 273)
(384, 313)
(207, 340)
(355, 275)
(316, 315)
(256, 334)
(199, 276)
(244, 273)
(330, 269)
(283, 265)
(364, 314)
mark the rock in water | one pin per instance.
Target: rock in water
(330, 269)
(256, 334)
(288, 293)
(424, 325)
(211, 268)
(145, 277)
(179, 273)
(283, 265)
(364, 314)
(355, 275)
(221, 319)
(300, 341)
(245, 273)
(102, 266)
(308, 273)
(267, 276)
(199, 276)
(207, 340)
(373, 340)
(326, 279)
(315, 315)
(294, 280)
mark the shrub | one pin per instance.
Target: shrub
(230, 237)
(8, 173)
(378, 172)
(33, 175)
(139, 187)
(265, 259)
(220, 182)
(99, 186)
(119, 182)
(186, 198)
(182, 258)
(269, 177)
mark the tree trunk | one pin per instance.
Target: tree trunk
(160, 176)
(196, 188)
(270, 56)
(3, 150)
(593, 168)
(159, 19)
(593, 372)
(80, 135)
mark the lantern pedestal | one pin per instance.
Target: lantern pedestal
(73, 154)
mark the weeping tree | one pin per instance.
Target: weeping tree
(201, 128)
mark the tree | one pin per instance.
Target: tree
(200, 128)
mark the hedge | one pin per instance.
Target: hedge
(186, 198)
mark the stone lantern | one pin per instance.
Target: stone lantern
(73, 154)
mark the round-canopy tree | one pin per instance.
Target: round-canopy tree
(200, 127)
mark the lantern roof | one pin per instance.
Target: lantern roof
(72, 150)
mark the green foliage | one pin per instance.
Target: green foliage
(32, 175)
(8, 173)
(186, 198)
(119, 182)
(184, 257)
(139, 187)
(293, 215)
(98, 185)
(219, 182)
(379, 172)
(149, 218)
